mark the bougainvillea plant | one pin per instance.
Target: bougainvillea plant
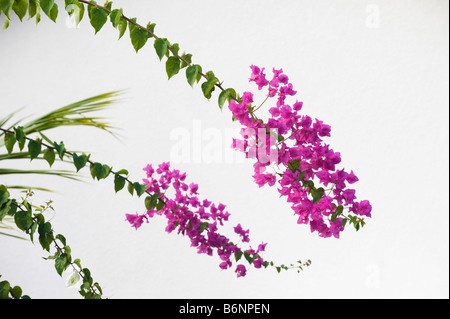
(287, 148)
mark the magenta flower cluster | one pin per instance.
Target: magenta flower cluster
(197, 219)
(305, 160)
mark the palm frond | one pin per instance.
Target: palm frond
(60, 173)
(23, 155)
(30, 188)
(6, 119)
(75, 115)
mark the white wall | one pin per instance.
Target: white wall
(376, 71)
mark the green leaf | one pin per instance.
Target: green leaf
(333, 217)
(4, 194)
(4, 289)
(98, 287)
(344, 222)
(61, 264)
(108, 5)
(54, 13)
(50, 8)
(122, 172)
(99, 171)
(122, 27)
(13, 208)
(77, 262)
(175, 48)
(61, 238)
(10, 140)
(193, 74)
(203, 226)
(119, 182)
(87, 275)
(160, 46)
(151, 28)
(249, 258)
(160, 204)
(45, 235)
(33, 8)
(115, 16)
(6, 7)
(294, 165)
(209, 85)
(20, 7)
(151, 201)
(148, 203)
(40, 218)
(16, 292)
(318, 195)
(186, 59)
(23, 220)
(172, 66)
(131, 188)
(5, 208)
(79, 161)
(60, 148)
(97, 17)
(139, 188)
(34, 148)
(47, 5)
(226, 95)
(33, 230)
(73, 279)
(238, 255)
(6, 23)
(20, 135)
(75, 9)
(49, 156)
(138, 37)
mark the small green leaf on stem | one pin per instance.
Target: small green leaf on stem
(79, 161)
(60, 149)
(16, 292)
(20, 7)
(186, 59)
(130, 188)
(49, 156)
(160, 46)
(33, 8)
(139, 188)
(226, 95)
(34, 148)
(97, 17)
(115, 16)
(138, 37)
(10, 140)
(119, 182)
(73, 279)
(6, 7)
(193, 74)
(23, 220)
(61, 264)
(172, 66)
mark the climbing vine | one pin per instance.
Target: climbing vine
(306, 162)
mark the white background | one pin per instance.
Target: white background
(376, 71)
